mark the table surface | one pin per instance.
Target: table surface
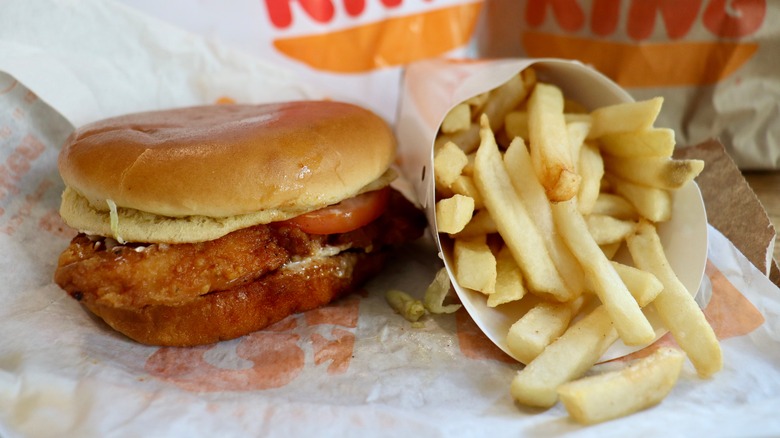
(766, 185)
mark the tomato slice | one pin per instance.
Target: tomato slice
(348, 215)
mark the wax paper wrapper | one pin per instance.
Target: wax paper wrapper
(354, 368)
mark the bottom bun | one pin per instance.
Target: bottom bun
(228, 314)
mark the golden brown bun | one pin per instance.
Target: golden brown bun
(228, 160)
(229, 314)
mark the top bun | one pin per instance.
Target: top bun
(227, 160)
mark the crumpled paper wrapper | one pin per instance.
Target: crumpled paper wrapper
(351, 369)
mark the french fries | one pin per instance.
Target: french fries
(675, 305)
(452, 214)
(549, 143)
(653, 142)
(619, 393)
(660, 172)
(590, 166)
(509, 280)
(564, 360)
(512, 220)
(541, 325)
(542, 212)
(533, 196)
(449, 161)
(624, 117)
(630, 322)
(458, 119)
(476, 265)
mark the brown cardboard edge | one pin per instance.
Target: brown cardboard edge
(732, 206)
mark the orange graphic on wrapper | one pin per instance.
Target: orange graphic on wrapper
(392, 41)
(473, 343)
(671, 62)
(271, 358)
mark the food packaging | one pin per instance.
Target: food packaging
(715, 62)
(354, 368)
(432, 88)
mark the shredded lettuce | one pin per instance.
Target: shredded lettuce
(437, 292)
(114, 221)
(406, 305)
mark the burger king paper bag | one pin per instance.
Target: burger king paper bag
(353, 49)
(715, 62)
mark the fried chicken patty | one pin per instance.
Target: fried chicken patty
(131, 276)
(231, 313)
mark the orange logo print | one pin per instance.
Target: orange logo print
(361, 47)
(473, 343)
(670, 61)
(267, 359)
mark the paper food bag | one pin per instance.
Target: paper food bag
(715, 62)
(353, 50)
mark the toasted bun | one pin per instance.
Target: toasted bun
(228, 160)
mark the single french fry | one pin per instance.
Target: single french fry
(549, 143)
(609, 204)
(509, 280)
(660, 172)
(611, 249)
(625, 117)
(638, 386)
(516, 124)
(607, 229)
(475, 265)
(478, 102)
(467, 140)
(644, 286)
(675, 305)
(468, 169)
(566, 359)
(577, 132)
(448, 163)
(539, 327)
(653, 142)
(506, 97)
(527, 186)
(481, 224)
(630, 322)
(513, 221)
(452, 214)
(651, 202)
(458, 119)
(591, 169)
(464, 185)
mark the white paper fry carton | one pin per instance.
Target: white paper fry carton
(432, 88)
